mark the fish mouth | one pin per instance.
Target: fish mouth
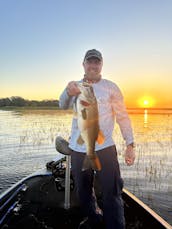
(84, 84)
(87, 90)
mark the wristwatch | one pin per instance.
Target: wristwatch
(131, 144)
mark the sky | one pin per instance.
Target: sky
(43, 43)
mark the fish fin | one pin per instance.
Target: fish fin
(101, 138)
(91, 162)
(86, 163)
(84, 114)
(80, 140)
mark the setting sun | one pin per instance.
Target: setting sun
(146, 102)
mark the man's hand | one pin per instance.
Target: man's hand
(129, 155)
(72, 88)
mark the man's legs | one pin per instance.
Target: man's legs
(111, 185)
(84, 186)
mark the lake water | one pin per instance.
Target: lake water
(27, 143)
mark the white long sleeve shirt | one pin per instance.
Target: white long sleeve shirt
(111, 108)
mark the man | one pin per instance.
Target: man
(110, 108)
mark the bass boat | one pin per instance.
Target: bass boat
(46, 200)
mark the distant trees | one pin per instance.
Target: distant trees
(5, 102)
(21, 102)
(17, 101)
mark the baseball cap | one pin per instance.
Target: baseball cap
(93, 53)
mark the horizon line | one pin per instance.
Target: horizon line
(138, 108)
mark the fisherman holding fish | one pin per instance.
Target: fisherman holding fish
(97, 104)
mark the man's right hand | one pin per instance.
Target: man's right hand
(72, 88)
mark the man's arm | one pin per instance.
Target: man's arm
(124, 123)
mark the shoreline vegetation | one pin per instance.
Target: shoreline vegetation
(19, 103)
(12, 108)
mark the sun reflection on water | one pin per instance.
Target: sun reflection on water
(145, 118)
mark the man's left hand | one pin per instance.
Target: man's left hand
(129, 155)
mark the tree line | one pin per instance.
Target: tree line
(21, 102)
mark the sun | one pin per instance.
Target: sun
(146, 102)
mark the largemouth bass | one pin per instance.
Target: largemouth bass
(88, 124)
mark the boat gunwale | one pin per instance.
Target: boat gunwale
(147, 209)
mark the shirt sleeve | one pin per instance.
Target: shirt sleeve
(121, 114)
(66, 101)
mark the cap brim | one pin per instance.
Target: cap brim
(93, 57)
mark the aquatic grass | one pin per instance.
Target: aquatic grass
(30, 136)
(150, 178)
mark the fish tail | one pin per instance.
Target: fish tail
(91, 162)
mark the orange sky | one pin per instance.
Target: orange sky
(155, 98)
(135, 95)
